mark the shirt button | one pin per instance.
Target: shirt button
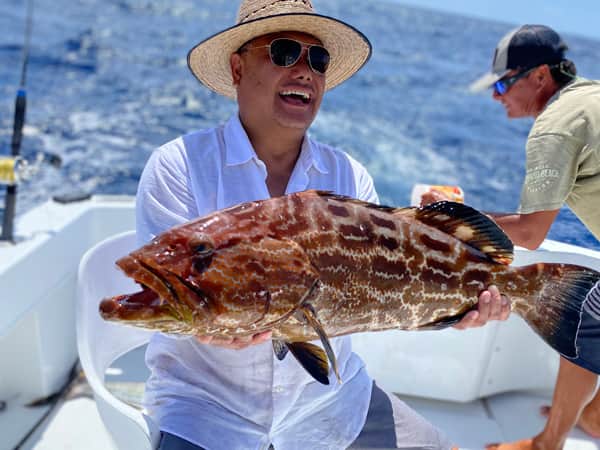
(277, 389)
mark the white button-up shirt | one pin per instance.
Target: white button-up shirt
(244, 399)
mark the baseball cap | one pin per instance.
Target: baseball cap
(523, 48)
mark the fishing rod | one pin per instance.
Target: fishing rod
(19, 121)
(16, 168)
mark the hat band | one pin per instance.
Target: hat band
(304, 6)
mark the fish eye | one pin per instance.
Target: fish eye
(203, 249)
(200, 246)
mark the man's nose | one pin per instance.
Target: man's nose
(302, 66)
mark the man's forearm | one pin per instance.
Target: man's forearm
(525, 230)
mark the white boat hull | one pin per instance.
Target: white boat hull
(38, 275)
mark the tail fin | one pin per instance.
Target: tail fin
(567, 313)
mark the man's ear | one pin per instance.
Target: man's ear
(543, 75)
(235, 62)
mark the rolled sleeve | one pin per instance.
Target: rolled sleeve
(551, 172)
(163, 199)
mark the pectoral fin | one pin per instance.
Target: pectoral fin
(312, 358)
(444, 322)
(311, 318)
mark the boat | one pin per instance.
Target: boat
(480, 385)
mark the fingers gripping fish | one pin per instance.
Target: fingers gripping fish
(314, 265)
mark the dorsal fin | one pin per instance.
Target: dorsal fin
(456, 219)
(469, 226)
(355, 201)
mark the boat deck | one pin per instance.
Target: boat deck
(76, 424)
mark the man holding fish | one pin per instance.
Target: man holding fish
(235, 392)
(531, 77)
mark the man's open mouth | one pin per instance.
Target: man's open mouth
(296, 96)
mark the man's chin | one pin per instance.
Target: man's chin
(513, 114)
(297, 123)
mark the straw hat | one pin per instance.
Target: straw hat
(348, 47)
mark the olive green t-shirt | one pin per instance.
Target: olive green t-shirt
(563, 155)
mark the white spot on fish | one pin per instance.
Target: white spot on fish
(464, 233)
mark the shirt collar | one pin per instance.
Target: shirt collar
(558, 92)
(239, 150)
(311, 156)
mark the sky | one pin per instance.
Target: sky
(578, 17)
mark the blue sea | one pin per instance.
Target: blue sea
(107, 82)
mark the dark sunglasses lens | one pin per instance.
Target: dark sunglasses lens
(319, 58)
(285, 52)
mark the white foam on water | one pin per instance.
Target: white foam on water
(82, 121)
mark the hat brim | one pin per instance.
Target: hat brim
(348, 47)
(486, 81)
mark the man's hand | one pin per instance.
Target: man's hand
(432, 196)
(236, 343)
(491, 306)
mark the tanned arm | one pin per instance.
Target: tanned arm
(526, 230)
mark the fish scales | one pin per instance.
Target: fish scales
(314, 265)
(385, 273)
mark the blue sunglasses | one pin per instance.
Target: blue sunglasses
(502, 86)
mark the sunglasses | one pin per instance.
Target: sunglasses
(285, 52)
(502, 86)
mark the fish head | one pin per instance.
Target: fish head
(204, 283)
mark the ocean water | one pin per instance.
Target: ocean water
(107, 82)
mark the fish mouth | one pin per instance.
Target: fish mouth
(165, 302)
(142, 305)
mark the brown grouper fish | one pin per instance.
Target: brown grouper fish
(313, 265)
